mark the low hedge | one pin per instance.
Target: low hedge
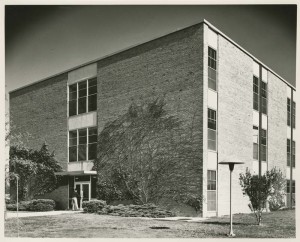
(145, 210)
(93, 206)
(37, 205)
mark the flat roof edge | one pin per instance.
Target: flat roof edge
(248, 53)
(152, 39)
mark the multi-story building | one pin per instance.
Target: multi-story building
(244, 110)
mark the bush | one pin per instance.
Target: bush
(275, 203)
(41, 205)
(145, 210)
(93, 206)
(33, 205)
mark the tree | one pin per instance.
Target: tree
(261, 188)
(35, 169)
(147, 155)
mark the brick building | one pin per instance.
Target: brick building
(244, 110)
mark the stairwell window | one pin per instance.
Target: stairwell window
(288, 112)
(288, 151)
(255, 142)
(212, 68)
(264, 97)
(255, 94)
(83, 97)
(83, 144)
(294, 115)
(264, 145)
(212, 129)
(211, 191)
(293, 153)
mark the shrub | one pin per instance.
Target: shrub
(41, 205)
(93, 206)
(145, 210)
(259, 189)
(33, 205)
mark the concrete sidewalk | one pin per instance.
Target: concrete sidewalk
(13, 214)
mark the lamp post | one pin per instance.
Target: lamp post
(231, 167)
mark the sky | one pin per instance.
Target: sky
(41, 41)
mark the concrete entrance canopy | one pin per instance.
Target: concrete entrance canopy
(75, 173)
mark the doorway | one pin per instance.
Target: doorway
(84, 190)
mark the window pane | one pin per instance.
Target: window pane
(81, 105)
(73, 135)
(287, 186)
(73, 88)
(92, 151)
(263, 153)
(212, 119)
(93, 82)
(92, 135)
(92, 103)
(72, 108)
(82, 89)
(264, 105)
(211, 134)
(255, 101)
(211, 200)
(72, 96)
(212, 145)
(81, 152)
(73, 153)
(82, 136)
(255, 151)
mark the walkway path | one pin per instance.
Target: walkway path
(13, 214)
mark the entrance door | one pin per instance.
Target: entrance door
(83, 189)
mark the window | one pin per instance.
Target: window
(288, 152)
(289, 112)
(288, 186)
(211, 191)
(255, 143)
(264, 97)
(212, 127)
(293, 153)
(83, 97)
(263, 145)
(294, 115)
(212, 69)
(255, 94)
(83, 144)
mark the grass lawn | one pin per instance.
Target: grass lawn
(280, 224)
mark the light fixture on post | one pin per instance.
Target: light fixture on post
(231, 167)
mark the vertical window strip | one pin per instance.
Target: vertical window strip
(255, 93)
(212, 127)
(288, 151)
(288, 112)
(212, 69)
(211, 190)
(294, 115)
(263, 145)
(293, 153)
(264, 97)
(255, 142)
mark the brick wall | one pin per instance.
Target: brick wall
(170, 66)
(277, 123)
(41, 110)
(234, 122)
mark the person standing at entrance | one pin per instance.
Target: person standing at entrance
(74, 200)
